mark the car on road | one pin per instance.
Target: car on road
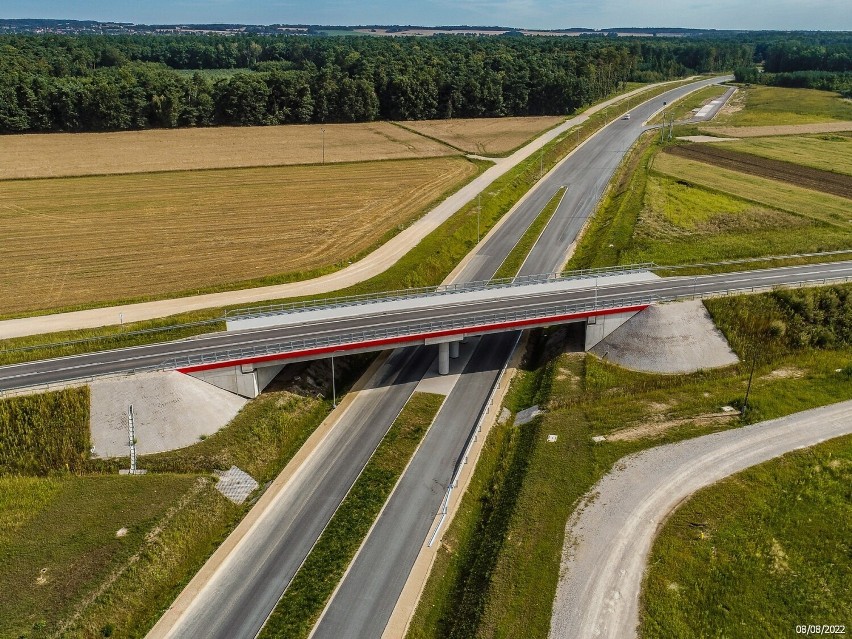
(626, 116)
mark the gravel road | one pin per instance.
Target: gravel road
(610, 535)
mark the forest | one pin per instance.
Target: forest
(108, 83)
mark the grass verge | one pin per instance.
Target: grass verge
(532, 485)
(311, 587)
(45, 433)
(739, 559)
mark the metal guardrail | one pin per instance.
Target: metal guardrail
(421, 328)
(235, 354)
(443, 289)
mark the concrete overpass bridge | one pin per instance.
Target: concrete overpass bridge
(602, 299)
(260, 341)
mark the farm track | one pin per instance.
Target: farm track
(810, 178)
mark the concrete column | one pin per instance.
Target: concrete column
(444, 358)
(454, 350)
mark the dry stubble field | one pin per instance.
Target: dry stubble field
(485, 136)
(83, 240)
(65, 154)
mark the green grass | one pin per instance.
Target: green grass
(65, 343)
(758, 553)
(67, 522)
(818, 206)
(541, 482)
(827, 152)
(766, 106)
(683, 109)
(609, 232)
(66, 544)
(45, 433)
(682, 212)
(313, 584)
(513, 262)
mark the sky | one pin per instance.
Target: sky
(531, 14)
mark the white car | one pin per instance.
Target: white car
(626, 117)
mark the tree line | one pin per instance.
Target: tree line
(99, 83)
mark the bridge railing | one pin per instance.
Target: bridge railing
(283, 348)
(472, 324)
(389, 296)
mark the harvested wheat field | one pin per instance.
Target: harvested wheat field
(78, 241)
(485, 136)
(66, 154)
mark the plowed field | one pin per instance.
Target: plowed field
(802, 176)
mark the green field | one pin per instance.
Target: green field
(64, 543)
(758, 553)
(827, 152)
(671, 210)
(766, 106)
(496, 572)
(58, 546)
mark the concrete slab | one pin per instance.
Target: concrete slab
(668, 338)
(443, 384)
(171, 410)
(235, 484)
(527, 415)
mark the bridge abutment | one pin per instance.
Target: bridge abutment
(246, 380)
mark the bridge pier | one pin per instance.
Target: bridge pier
(454, 350)
(444, 358)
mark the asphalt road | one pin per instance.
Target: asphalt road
(607, 543)
(244, 590)
(368, 593)
(237, 603)
(411, 317)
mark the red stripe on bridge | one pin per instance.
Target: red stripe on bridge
(396, 341)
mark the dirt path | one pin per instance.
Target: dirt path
(807, 177)
(376, 262)
(610, 535)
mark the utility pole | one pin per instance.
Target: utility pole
(750, 377)
(323, 144)
(478, 213)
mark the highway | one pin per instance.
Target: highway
(225, 606)
(608, 540)
(368, 593)
(408, 321)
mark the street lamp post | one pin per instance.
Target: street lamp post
(323, 144)
(478, 213)
(333, 385)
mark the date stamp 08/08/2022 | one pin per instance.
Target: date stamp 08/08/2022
(820, 629)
